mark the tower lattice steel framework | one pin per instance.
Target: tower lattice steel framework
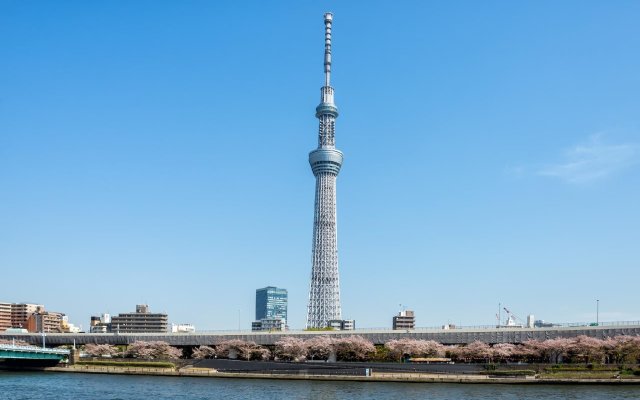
(326, 160)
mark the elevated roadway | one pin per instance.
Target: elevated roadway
(377, 336)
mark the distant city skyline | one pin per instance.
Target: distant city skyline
(157, 155)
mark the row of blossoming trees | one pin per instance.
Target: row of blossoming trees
(156, 350)
(619, 349)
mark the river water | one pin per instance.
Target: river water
(41, 385)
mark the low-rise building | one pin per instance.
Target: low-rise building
(33, 318)
(21, 312)
(100, 324)
(269, 324)
(342, 324)
(101, 328)
(95, 320)
(140, 321)
(182, 328)
(404, 320)
(68, 327)
(5, 316)
(44, 321)
(348, 324)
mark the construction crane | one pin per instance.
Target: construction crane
(512, 318)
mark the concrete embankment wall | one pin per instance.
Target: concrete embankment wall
(335, 368)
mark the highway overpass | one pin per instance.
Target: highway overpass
(377, 336)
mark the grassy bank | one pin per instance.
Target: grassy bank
(590, 371)
(510, 372)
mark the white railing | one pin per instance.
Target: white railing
(32, 349)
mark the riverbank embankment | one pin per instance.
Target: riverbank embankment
(373, 377)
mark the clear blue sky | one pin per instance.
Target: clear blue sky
(156, 152)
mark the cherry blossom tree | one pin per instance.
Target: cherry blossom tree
(414, 348)
(618, 349)
(504, 351)
(203, 352)
(614, 348)
(353, 348)
(551, 350)
(320, 347)
(290, 349)
(478, 350)
(534, 350)
(589, 349)
(260, 353)
(100, 350)
(245, 350)
(622, 349)
(457, 353)
(432, 348)
(153, 350)
(530, 351)
(473, 351)
(235, 348)
(584, 348)
(452, 351)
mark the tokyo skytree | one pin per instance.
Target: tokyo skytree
(326, 160)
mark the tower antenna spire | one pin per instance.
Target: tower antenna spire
(325, 162)
(328, 20)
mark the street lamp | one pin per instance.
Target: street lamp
(598, 312)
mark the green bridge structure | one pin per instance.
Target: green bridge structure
(12, 356)
(464, 335)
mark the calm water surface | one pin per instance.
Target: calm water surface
(28, 385)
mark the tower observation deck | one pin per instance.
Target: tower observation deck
(325, 161)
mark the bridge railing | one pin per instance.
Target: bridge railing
(32, 349)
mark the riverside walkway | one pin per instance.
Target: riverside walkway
(378, 336)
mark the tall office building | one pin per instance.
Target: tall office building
(271, 303)
(325, 161)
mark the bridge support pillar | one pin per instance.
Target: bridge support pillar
(74, 356)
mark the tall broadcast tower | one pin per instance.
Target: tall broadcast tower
(324, 291)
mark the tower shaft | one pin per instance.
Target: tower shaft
(325, 161)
